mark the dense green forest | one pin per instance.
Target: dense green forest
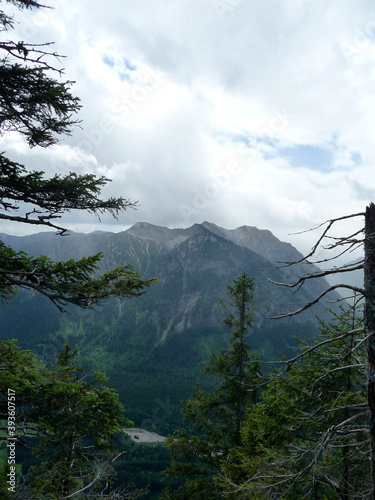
(296, 431)
(152, 348)
(299, 432)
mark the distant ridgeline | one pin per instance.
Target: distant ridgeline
(152, 348)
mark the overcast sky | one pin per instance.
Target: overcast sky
(235, 112)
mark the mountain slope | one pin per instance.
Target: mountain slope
(153, 347)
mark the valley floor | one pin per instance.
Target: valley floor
(143, 436)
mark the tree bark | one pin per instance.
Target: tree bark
(369, 277)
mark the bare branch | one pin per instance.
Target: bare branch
(329, 223)
(100, 474)
(291, 361)
(321, 274)
(32, 52)
(311, 303)
(41, 221)
(329, 372)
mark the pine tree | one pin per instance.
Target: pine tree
(67, 421)
(217, 418)
(41, 109)
(308, 435)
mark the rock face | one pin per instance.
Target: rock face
(195, 264)
(153, 347)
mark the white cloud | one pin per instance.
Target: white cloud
(204, 81)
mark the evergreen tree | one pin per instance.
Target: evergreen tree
(40, 108)
(68, 422)
(73, 421)
(217, 418)
(308, 436)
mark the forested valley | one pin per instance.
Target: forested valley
(293, 428)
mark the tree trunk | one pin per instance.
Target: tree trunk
(240, 389)
(369, 277)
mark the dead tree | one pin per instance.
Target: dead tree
(369, 282)
(364, 237)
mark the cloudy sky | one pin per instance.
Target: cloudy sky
(237, 112)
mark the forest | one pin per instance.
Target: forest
(302, 426)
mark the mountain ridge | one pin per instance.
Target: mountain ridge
(157, 343)
(146, 230)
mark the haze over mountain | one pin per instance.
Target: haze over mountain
(153, 347)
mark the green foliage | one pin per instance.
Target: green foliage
(72, 281)
(141, 464)
(217, 417)
(305, 436)
(55, 195)
(69, 422)
(40, 108)
(308, 436)
(73, 420)
(35, 105)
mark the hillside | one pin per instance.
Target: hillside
(153, 347)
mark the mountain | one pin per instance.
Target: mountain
(153, 347)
